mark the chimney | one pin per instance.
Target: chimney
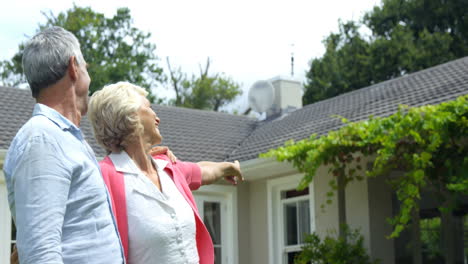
(288, 96)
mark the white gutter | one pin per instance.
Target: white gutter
(262, 168)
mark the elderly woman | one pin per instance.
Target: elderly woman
(155, 210)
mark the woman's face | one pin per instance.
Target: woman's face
(150, 122)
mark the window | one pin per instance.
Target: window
(296, 214)
(216, 206)
(211, 212)
(439, 235)
(290, 214)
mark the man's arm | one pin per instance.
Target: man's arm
(41, 182)
(213, 171)
(14, 256)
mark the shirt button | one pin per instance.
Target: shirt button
(173, 216)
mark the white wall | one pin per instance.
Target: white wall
(243, 220)
(357, 209)
(326, 218)
(258, 228)
(368, 205)
(5, 221)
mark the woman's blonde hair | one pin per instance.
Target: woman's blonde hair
(113, 114)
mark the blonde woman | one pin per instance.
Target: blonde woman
(155, 210)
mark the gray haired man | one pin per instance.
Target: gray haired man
(55, 190)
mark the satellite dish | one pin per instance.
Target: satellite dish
(261, 96)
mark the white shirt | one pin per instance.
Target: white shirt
(161, 225)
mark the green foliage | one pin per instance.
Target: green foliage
(433, 16)
(209, 92)
(407, 36)
(428, 143)
(11, 72)
(112, 47)
(343, 250)
(344, 66)
(430, 237)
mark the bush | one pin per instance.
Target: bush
(347, 250)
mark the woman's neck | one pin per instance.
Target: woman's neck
(138, 152)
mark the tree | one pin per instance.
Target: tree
(430, 16)
(344, 66)
(202, 92)
(407, 36)
(112, 47)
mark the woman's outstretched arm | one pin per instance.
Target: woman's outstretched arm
(213, 171)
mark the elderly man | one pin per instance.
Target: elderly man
(55, 190)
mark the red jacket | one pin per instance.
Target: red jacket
(186, 176)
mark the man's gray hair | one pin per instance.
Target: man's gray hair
(47, 55)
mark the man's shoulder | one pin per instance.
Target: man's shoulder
(33, 128)
(36, 127)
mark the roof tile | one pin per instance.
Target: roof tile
(195, 135)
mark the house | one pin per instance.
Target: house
(263, 219)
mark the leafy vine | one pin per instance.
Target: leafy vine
(428, 143)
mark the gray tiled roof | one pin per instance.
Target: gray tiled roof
(15, 109)
(431, 86)
(193, 135)
(203, 135)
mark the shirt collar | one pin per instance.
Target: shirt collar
(123, 163)
(54, 116)
(160, 163)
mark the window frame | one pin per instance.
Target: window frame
(227, 197)
(289, 201)
(276, 232)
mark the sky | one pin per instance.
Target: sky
(247, 40)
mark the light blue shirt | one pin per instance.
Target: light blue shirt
(57, 195)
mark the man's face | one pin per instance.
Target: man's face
(82, 87)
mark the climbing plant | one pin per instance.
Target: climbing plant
(429, 144)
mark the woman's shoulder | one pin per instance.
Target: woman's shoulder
(161, 157)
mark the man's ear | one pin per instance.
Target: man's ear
(73, 68)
